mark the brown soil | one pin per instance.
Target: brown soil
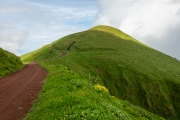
(19, 90)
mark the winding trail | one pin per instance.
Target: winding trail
(19, 90)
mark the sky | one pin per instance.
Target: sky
(26, 25)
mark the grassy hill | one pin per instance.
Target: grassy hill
(9, 63)
(129, 69)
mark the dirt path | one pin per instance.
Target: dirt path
(19, 90)
(63, 53)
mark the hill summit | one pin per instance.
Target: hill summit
(129, 69)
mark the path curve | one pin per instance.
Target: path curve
(59, 56)
(19, 90)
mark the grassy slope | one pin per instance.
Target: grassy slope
(68, 95)
(129, 69)
(41, 54)
(9, 63)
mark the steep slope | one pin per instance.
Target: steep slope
(129, 69)
(8, 63)
(68, 95)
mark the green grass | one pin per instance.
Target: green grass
(129, 69)
(41, 54)
(68, 95)
(8, 63)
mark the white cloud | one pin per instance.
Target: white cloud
(11, 40)
(26, 25)
(148, 21)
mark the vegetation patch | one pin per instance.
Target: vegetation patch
(41, 54)
(9, 63)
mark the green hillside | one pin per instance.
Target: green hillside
(129, 69)
(41, 54)
(8, 63)
(67, 95)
